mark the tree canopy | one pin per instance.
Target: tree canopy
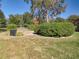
(46, 7)
(73, 18)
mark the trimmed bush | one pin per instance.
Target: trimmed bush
(56, 29)
(11, 27)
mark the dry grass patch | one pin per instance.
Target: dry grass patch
(36, 47)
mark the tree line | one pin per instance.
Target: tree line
(27, 18)
(41, 11)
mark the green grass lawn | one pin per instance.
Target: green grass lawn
(40, 48)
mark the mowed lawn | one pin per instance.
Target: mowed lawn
(31, 47)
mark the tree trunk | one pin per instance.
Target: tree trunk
(47, 18)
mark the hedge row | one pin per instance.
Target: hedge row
(56, 29)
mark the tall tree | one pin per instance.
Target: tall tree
(2, 19)
(1, 14)
(45, 7)
(75, 20)
(15, 19)
(27, 18)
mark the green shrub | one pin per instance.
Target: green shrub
(77, 27)
(59, 19)
(11, 26)
(25, 25)
(2, 23)
(31, 26)
(56, 29)
(2, 29)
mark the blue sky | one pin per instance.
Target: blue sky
(72, 8)
(19, 7)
